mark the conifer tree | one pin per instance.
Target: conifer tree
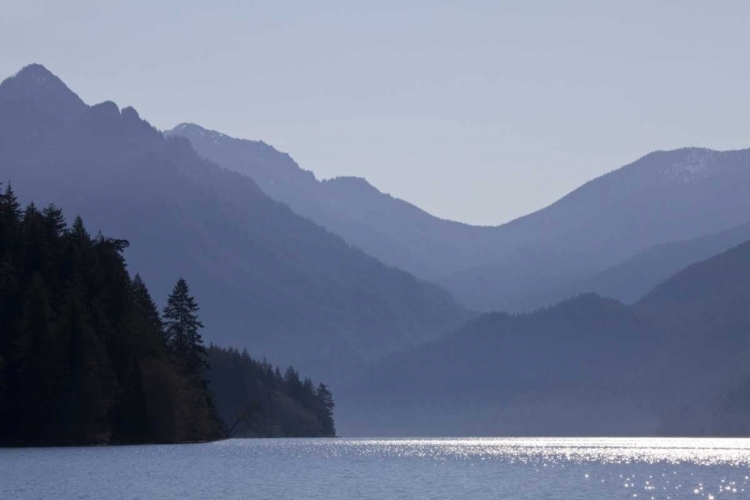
(91, 386)
(326, 400)
(149, 327)
(10, 218)
(181, 328)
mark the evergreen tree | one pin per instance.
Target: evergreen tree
(10, 217)
(148, 327)
(40, 366)
(91, 388)
(326, 416)
(181, 327)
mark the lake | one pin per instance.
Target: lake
(350, 469)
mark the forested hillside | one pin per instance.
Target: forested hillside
(256, 400)
(85, 356)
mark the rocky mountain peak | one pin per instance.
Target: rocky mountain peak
(37, 85)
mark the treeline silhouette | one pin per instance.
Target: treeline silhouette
(85, 356)
(256, 400)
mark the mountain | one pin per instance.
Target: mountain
(675, 363)
(714, 290)
(266, 278)
(574, 369)
(630, 280)
(33, 103)
(37, 87)
(390, 229)
(663, 197)
(703, 308)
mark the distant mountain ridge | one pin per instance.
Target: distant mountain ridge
(675, 363)
(266, 278)
(348, 206)
(633, 278)
(662, 197)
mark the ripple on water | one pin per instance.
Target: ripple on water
(338, 469)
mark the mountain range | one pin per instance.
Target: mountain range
(630, 280)
(266, 278)
(533, 261)
(675, 363)
(619, 309)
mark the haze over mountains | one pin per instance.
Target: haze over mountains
(662, 197)
(338, 278)
(590, 365)
(673, 364)
(266, 278)
(630, 280)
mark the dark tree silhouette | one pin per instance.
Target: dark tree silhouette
(86, 358)
(255, 400)
(83, 357)
(181, 326)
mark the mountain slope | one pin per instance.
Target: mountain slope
(574, 369)
(265, 277)
(635, 277)
(664, 196)
(390, 229)
(714, 290)
(675, 363)
(703, 309)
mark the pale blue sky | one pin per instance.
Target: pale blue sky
(475, 111)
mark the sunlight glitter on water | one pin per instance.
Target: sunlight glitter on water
(698, 451)
(669, 468)
(393, 469)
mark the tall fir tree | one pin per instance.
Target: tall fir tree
(182, 330)
(326, 414)
(10, 218)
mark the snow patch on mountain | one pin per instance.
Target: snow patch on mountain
(193, 131)
(696, 165)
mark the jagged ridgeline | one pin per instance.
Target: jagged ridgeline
(85, 356)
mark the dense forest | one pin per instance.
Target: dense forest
(86, 357)
(256, 400)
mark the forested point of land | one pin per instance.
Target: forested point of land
(265, 402)
(87, 358)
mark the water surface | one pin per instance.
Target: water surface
(338, 469)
